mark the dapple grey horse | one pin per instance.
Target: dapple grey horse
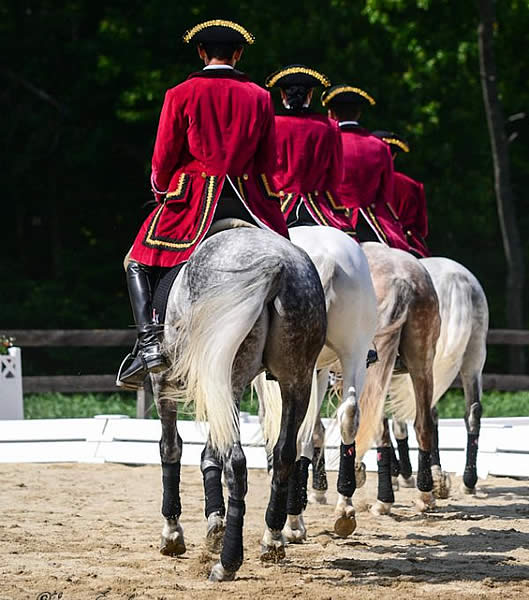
(247, 299)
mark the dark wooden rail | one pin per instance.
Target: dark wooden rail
(125, 338)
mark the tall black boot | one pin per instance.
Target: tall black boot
(147, 354)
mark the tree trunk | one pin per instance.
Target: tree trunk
(502, 180)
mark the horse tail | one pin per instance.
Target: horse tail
(269, 394)
(393, 312)
(207, 339)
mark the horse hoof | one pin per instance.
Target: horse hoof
(272, 546)
(407, 482)
(219, 573)
(468, 491)
(172, 547)
(172, 542)
(441, 483)
(272, 553)
(395, 483)
(294, 530)
(360, 474)
(425, 501)
(381, 508)
(215, 533)
(344, 526)
(318, 497)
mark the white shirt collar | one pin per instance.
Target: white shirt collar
(211, 67)
(348, 123)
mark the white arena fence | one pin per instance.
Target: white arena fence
(503, 444)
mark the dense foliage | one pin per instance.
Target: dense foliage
(83, 83)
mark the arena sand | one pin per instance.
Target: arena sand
(91, 532)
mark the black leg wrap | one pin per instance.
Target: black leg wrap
(171, 507)
(213, 491)
(385, 488)
(404, 458)
(346, 483)
(424, 472)
(232, 550)
(470, 476)
(395, 469)
(297, 487)
(276, 512)
(319, 474)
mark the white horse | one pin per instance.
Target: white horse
(461, 349)
(351, 317)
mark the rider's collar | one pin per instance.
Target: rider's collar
(212, 67)
(230, 73)
(348, 124)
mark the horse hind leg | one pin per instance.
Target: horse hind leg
(211, 466)
(400, 431)
(320, 485)
(385, 494)
(441, 479)
(473, 411)
(172, 539)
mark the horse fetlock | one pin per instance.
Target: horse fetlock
(215, 532)
(360, 474)
(381, 508)
(425, 501)
(441, 482)
(272, 546)
(219, 573)
(407, 482)
(172, 542)
(318, 497)
(295, 531)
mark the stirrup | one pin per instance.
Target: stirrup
(125, 363)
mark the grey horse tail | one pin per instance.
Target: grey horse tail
(208, 337)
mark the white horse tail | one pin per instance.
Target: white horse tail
(326, 266)
(208, 337)
(269, 394)
(393, 312)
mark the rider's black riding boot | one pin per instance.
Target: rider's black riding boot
(147, 354)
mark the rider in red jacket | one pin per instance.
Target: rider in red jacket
(367, 183)
(215, 137)
(409, 202)
(309, 166)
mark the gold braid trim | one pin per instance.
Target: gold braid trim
(347, 88)
(267, 187)
(271, 81)
(376, 224)
(180, 187)
(190, 34)
(402, 145)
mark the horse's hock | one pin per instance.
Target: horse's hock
(11, 398)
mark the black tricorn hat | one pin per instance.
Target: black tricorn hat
(396, 142)
(220, 32)
(297, 75)
(345, 94)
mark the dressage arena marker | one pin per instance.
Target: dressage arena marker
(503, 444)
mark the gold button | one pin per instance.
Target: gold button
(203, 175)
(281, 193)
(373, 205)
(245, 176)
(316, 193)
(408, 232)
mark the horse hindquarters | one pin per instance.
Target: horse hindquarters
(296, 336)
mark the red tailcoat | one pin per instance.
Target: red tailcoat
(367, 184)
(409, 203)
(309, 168)
(215, 124)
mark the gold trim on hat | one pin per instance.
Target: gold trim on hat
(190, 34)
(347, 88)
(402, 145)
(273, 79)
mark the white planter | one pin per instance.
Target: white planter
(11, 397)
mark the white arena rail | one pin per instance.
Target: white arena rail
(503, 448)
